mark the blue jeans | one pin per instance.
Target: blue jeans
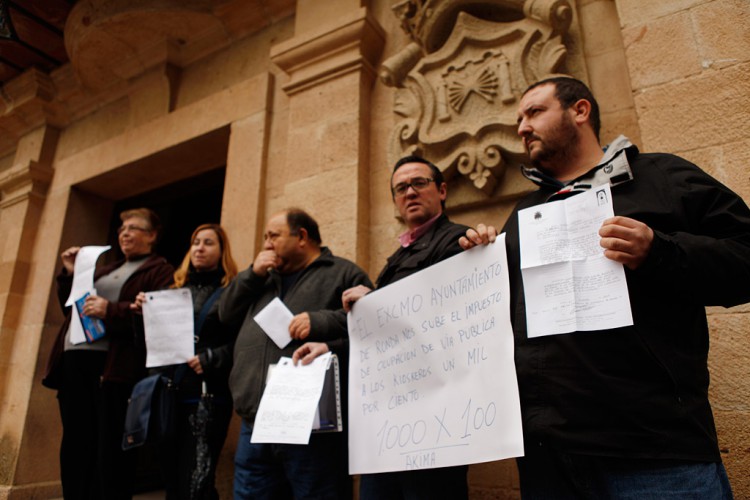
(285, 471)
(547, 474)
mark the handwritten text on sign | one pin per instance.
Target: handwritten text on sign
(432, 380)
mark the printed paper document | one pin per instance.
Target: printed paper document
(290, 400)
(568, 283)
(168, 320)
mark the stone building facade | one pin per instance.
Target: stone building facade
(234, 109)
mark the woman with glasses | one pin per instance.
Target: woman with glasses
(188, 458)
(94, 380)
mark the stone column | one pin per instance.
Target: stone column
(331, 65)
(23, 190)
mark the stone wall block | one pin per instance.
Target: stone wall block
(727, 362)
(673, 116)
(661, 51)
(340, 140)
(592, 15)
(319, 104)
(610, 82)
(722, 32)
(639, 11)
(306, 151)
(244, 186)
(728, 164)
(328, 197)
(623, 122)
(734, 443)
(500, 476)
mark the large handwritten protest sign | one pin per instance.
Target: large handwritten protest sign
(432, 380)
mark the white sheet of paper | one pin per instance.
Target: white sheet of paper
(168, 321)
(275, 319)
(568, 283)
(432, 380)
(83, 272)
(76, 328)
(289, 402)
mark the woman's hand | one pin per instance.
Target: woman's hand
(68, 258)
(95, 307)
(195, 364)
(137, 305)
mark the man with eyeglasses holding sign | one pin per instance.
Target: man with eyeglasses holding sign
(419, 192)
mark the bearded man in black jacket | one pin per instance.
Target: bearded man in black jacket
(624, 413)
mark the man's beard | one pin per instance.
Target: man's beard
(559, 147)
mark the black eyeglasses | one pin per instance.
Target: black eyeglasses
(418, 183)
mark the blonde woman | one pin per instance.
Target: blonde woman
(189, 458)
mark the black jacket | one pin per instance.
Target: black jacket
(213, 343)
(641, 391)
(440, 242)
(317, 291)
(437, 244)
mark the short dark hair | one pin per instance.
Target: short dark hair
(297, 219)
(568, 91)
(437, 175)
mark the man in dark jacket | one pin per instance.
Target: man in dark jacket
(624, 413)
(309, 279)
(419, 192)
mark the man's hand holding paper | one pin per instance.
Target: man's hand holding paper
(569, 283)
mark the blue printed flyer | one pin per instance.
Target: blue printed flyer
(93, 328)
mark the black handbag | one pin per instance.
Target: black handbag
(151, 412)
(152, 407)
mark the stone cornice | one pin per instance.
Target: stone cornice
(26, 103)
(355, 42)
(21, 182)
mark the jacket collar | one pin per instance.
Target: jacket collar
(426, 239)
(613, 169)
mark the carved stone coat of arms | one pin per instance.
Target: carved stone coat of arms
(458, 82)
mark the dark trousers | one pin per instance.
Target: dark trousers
(316, 471)
(548, 474)
(181, 457)
(428, 484)
(78, 399)
(116, 467)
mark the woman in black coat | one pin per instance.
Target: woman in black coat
(188, 458)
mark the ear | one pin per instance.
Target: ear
(581, 111)
(303, 236)
(151, 238)
(443, 191)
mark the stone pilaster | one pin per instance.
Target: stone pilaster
(331, 71)
(23, 189)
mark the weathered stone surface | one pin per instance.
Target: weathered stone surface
(734, 443)
(639, 11)
(594, 16)
(672, 115)
(661, 51)
(727, 163)
(722, 32)
(727, 362)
